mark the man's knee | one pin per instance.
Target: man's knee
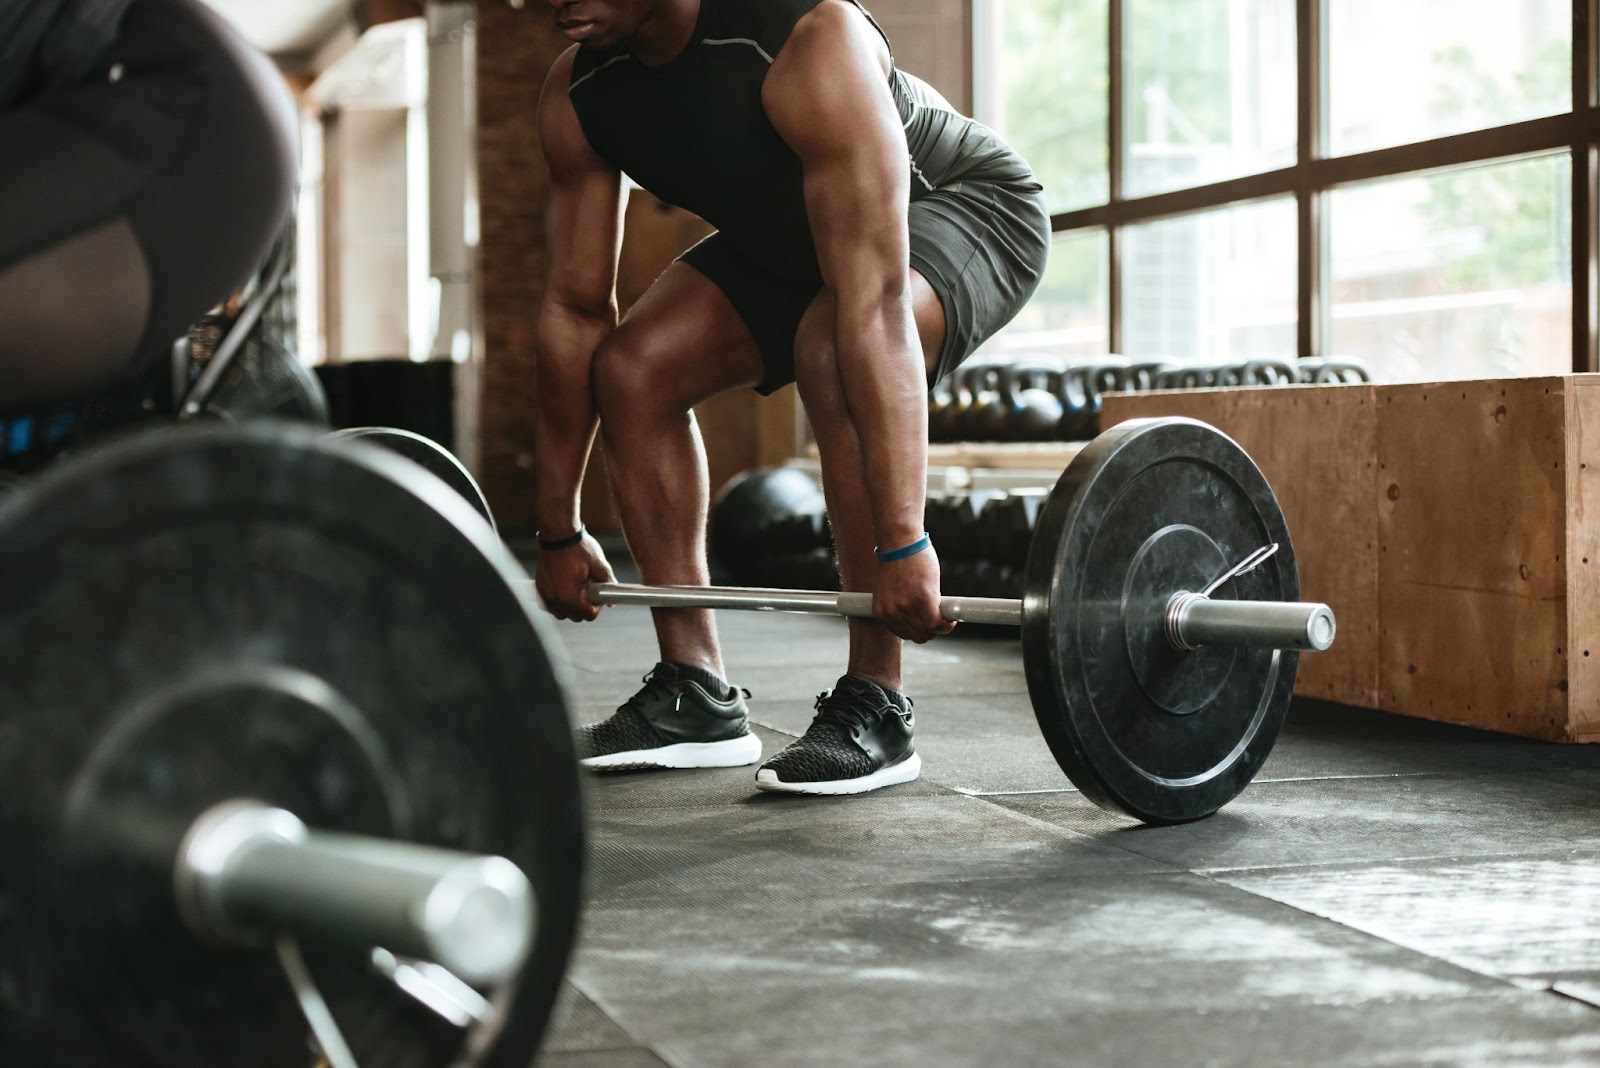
(816, 352)
(632, 381)
(616, 376)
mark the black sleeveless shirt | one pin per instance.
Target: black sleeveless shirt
(694, 131)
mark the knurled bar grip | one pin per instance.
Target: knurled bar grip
(1196, 620)
(247, 871)
(816, 602)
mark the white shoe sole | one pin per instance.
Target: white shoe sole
(732, 753)
(905, 771)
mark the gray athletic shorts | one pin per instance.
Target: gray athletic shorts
(982, 246)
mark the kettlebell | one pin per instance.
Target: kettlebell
(1035, 402)
(1100, 379)
(1270, 371)
(988, 405)
(961, 421)
(1229, 374)
(1186, 376)
(1342, 369)
(1140, 375)
(1307, 367)
(1077, 416)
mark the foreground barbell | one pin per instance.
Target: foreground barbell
(1161, 622)
(286, 755)
(1192, 620)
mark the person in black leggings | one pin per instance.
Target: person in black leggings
(147, 161)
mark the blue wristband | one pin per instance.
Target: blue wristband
(905, 550)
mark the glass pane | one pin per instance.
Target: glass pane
(1409, 71)
(1210, 91)
(1070, 315)
(1045, 88)
(1461, 274)
(1212, 285)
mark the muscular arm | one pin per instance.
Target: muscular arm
(578, 310)
(828, 97)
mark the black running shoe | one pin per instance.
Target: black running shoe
(671, 723)
(860, 740)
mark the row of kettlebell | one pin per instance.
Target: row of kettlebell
(1025, 400)
(1034, 399)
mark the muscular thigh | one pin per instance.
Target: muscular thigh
(689, 337)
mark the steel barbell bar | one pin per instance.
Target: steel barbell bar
(1193, 619)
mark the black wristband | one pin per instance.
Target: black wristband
(563, 543)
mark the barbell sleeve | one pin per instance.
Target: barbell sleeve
(1195, 620)
(248, 871)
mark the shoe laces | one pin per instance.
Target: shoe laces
(669, 683)
(850, 711)
(657, 681)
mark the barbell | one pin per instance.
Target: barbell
(1161, 622)
(287, 761)
(1191, 620)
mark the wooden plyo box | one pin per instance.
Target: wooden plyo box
(1454, 528)
(1317, 447)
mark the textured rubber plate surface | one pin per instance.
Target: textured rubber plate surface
(214, 613)
(432, 456)
(1151, 508)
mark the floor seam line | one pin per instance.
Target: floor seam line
(1504, 981)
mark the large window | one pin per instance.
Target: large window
(1068, 315)
(1399, 181)
(1210, 90)
(1415, 69)
(1215, 284)
(1461, 274)
(1046, 88)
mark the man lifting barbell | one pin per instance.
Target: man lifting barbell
(869, 238)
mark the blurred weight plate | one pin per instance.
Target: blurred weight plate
(262, 612)
(437, 459)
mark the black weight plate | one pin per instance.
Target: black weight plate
(439, 460)
(254, 611)
(1148, 509)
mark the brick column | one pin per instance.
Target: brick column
(515, 49)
